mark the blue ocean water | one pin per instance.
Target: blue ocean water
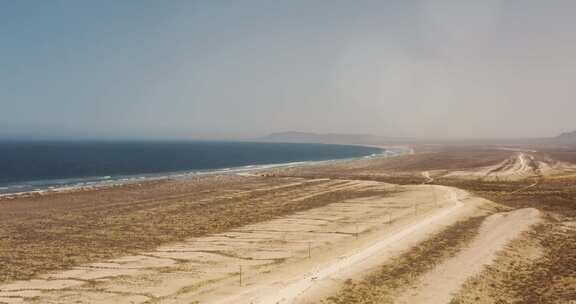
(26, 166)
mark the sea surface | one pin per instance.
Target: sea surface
(35, 166)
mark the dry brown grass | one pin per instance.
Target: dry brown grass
(446, 160)
(540, 267)
(549, 279)
(552, 277)
(401, 272)
(566, 155)
(41, 234)
(556, 196)
(403, 170)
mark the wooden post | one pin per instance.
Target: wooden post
(240, 276)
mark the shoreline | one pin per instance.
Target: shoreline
(107, 182)
(313, 233)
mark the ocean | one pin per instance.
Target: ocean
(34, 166)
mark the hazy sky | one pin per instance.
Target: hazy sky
(243, 68)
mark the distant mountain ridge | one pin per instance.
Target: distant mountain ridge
(567, 135)
(326, 138)
(567, 139)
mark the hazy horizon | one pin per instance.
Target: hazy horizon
(244, 69)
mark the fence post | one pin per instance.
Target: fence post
(240, 276)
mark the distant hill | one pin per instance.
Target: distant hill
(328, 138)
(567, 135)
(565, 139)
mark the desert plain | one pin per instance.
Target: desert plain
(446, 224)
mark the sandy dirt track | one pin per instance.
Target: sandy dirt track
(513, 178)
(294, 290)
(522, 165)
(286, 260)
(439, 285)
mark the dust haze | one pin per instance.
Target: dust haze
(426, 69)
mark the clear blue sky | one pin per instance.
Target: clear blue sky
(229, 69)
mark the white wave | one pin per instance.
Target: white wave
(75, 184)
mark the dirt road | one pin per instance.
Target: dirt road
(439, 285)
(295, 288)
(427, 178)
(521, 165)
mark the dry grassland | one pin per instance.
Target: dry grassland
(518, 276)
(44, 233)
(401, 272)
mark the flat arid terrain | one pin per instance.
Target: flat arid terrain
(442, 225)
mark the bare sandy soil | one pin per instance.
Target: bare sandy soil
(299, 235)
(440, 285)
(518, 167)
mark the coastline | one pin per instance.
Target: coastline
(73, 185)
(76, 226)
(297, 233)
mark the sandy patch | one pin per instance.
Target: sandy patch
(520, 166)
(440, 285)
